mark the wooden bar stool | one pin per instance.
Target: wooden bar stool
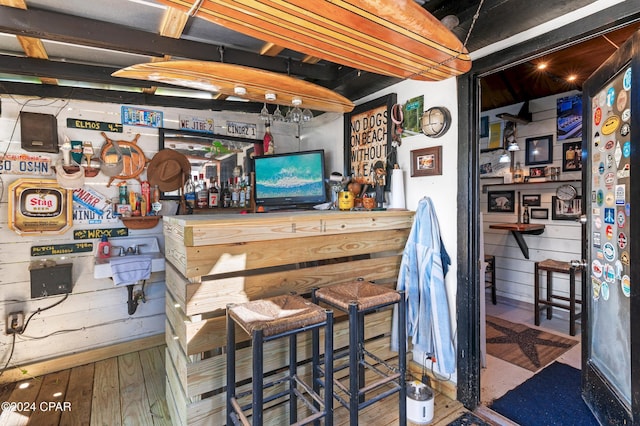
(491, 272)
(359, 298)
(270, 319)
(548, 303)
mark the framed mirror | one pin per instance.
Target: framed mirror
(212, 155)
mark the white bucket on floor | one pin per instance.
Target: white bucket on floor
(419, 403)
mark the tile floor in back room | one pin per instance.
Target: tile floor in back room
(500, 376)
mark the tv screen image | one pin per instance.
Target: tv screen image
(290, 180)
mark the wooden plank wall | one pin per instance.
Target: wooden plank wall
(289, 262)
(561, 239)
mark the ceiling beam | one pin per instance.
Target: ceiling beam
(89, 32)
(127, 98)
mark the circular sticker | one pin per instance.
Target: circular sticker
(621, 102)
(625, 129)
(626, 114)
(601, 168)
(611, 96)
(609, 144)
(626, 149)
(622, 240)
(626, 80)
(610, 125)
(597, 116)
(604, 290)
(610, 180)
(596, 268)
(625, 283)
(609, 252)
(595, 285)
(597, 222)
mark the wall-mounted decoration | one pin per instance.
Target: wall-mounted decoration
(537, 172)
(435, 122)
(490, 165)
(196, 124)
(90, 234)
(569, 113)
(501, 201)
(539, 214)
(39, 206)
(61, 249)
(368, 134)
(100, 126)
(38, 132)
(242, 130)
(25, 164)
(85, 216)
(412, 113)
(566, 210)
(484, 127)
(141, 117)
(531, 199)
(131, 155)
(539, 150)
(495, 135)
(572, 156)
(426, 161)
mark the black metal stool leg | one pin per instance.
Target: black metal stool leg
(257, 417)
(402, 358)
(231, 367)
(293, 367)
(328, 370)
(354, 364)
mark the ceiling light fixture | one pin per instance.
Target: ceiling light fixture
(572, 78)
(542, 65)
(270, 97)
(240, 90)
(513, 146)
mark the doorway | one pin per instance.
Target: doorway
(469, 279)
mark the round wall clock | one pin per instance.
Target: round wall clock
(566, 192)
(435, 121)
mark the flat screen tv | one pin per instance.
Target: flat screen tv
(290, 180)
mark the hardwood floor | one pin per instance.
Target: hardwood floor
(130, 390)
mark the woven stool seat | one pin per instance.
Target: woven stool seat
(555, 266)
(365, 294)
(277, 314)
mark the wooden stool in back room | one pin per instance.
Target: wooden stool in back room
(359, 298)
(549, 301)
(270, 319)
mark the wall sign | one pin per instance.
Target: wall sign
(39, 206)
(81, 123)
(141, 117)
(59, 249)
(245, 130)
(25, 164)
(88, 234)
(196, 124)
(368, 138)
(85, 216)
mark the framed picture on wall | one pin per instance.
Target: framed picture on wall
(539, 214)
(501, 201)
(539, 150)
(565, 210)
(572, 156)
(531, 199)
(426, 161)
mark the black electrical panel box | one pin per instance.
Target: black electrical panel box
(38, 132)
(51, 280)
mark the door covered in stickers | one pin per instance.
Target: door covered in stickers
(611, 337)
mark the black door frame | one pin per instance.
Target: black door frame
(468, 253)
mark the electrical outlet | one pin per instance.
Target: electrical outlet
(15, 322)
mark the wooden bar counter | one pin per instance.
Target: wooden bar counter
(218, 259)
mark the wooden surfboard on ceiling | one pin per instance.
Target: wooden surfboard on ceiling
(224, 78)
(397, 38)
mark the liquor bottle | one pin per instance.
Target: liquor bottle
(525, 215)
(214, 194)
(267, 141)
(517, 174)
(226, 195)
(243, 192)
(202, 193)
(190, 193)
(235, 193)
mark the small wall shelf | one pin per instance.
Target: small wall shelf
(517, 229)
(485, 186)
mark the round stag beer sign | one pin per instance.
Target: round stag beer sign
(38, 206)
